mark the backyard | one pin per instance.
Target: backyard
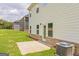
(8, 39)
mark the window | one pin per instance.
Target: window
(37, 26)
(37, 29)
(30, 14)
(27, 24)
(37, 10)
(49, 25)
(50, 29)
(30, 29)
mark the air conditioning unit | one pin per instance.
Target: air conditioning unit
(64, 49)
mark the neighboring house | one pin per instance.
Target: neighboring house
(60, 21)
(16, 25)
(24, 23)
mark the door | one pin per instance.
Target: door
(50, 29)
(44, 31)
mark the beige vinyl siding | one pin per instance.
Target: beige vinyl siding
(65, 19)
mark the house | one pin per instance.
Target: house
(16, 25)
(55, 22)
(24, 23)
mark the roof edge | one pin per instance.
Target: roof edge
(31, 6)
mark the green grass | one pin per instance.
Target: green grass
(8, 39)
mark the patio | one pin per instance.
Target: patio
(31, 47)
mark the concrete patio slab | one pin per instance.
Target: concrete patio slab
(31, 46)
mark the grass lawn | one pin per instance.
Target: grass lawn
(8, 39)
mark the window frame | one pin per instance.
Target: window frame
(37, 10)
(30, 29)
(37, 29)
(50, 29)
(30, 15)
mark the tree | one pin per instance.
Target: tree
(5, 24)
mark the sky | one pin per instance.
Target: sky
(13, 11)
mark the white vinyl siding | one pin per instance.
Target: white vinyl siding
(65, 19)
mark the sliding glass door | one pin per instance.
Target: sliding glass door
(50, 29)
